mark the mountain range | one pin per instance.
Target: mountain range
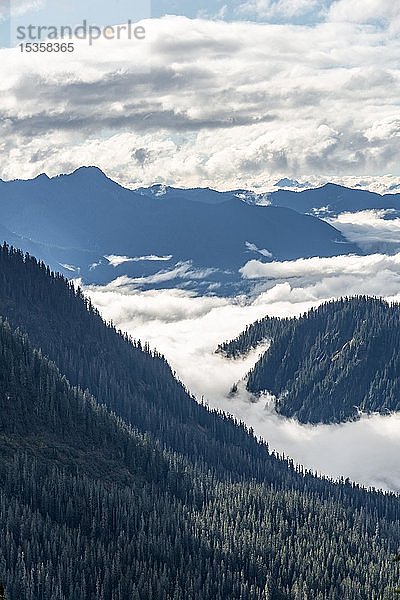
(329, 200)
(116, 484)
(332, 199)
(331, 365)
(86, 225)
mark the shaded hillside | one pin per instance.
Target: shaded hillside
(135, 383)
(205, 195)
(332, 199)
(331, 364)
(92, 509)
(179, 238)
(262, 330)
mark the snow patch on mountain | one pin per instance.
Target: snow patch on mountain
(253, 248)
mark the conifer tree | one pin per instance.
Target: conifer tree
(2, 592)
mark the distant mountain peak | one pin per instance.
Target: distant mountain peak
(350, 189)
(285, 182)
(42, 177)
(91, 175)
(333, 186)
(89, 170)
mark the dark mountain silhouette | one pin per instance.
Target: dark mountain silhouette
(77, 220)
(332, 199)
(129, 379)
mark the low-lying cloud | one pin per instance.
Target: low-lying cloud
(372, 230)
(183, 270)
(365, 451)
(187, 328)
(317, 279)
(253, 248)
(116, 260)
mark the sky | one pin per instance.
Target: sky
(219, 94)
(302, 12)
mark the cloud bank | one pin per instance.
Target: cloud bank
(318, 279)
(116, 260)
(187, 329)
(225, 105)
(372, 230)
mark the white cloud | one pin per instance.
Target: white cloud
(315, 268)
(182, 270)
(71, 268)
(366, 451)
(116, 260)
(365, 11)
(279, 9)
(253, 248)
(17, 8)
(225, 105)
(370, 230)
(188, 328)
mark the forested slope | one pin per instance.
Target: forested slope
(92, 509)
(334, 362)
(256, 333)
(136, 384)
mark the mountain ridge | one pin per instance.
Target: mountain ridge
(96, 504)
(329, 365)
(81, 218)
